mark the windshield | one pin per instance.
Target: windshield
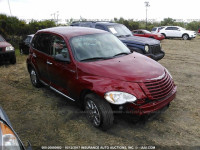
(1, 39)
(120, 30)
(146, 31)
(97, 47)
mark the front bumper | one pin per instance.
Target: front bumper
(152, 106)
(156, 57)
(5, 56)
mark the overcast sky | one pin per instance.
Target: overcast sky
(187, 10)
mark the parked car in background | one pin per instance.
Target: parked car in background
(156, 30)
(95, 69)
(149, 47)
(145, 33)
(25, 44)
(199, 32)
(9, 138)
(7, 51)
(177, 32)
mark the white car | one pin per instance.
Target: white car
(156, 30)
(177, 32)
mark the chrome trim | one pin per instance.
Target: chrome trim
(49, 63)
(61, 93)
(44, 83)
(158, 78)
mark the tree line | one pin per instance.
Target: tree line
(14, 29)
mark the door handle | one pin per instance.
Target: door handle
(49, 63)
(34, 55)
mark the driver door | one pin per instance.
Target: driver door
(61, 71)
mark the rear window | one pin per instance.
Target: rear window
(154, 29)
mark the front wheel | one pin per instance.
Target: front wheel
(13, 60)
(98, 111)
(185, 37)
(34, 78)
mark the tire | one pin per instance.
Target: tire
(164, 35)
(13, 60)
(98, 112)
(185, 37)
(34, 78)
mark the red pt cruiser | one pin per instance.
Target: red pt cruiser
(95, 69)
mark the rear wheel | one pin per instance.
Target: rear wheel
(98, 111)
(34, 78)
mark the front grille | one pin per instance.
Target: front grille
(159, 88)
(155, 49)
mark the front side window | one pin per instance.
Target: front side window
(168, 28)
(59, 48)
(97, 46)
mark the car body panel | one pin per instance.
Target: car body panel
(25, 44)
(72, 79)
(176, 32)
(4, 119)
(134, 43)
(142, 33)
(5, 55)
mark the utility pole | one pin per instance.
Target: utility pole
(55, 17)
(9, 7)
(146, 5)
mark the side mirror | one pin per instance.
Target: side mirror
(62, 58)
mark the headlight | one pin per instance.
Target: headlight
(168, 73)
(9, 140)
(146, 48)
(119, 98)
(9, 48)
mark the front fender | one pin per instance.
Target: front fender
(101, 85)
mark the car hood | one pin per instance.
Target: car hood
(4, 44)
(139, 40)
(133, 67)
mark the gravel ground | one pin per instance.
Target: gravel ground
(47, 119)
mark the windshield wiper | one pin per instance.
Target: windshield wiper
(119, 36)
(96, 58)
(122, 53)
(128, 35)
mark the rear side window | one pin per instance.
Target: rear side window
(42, 42)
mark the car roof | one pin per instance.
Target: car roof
(71, 31)
(96, 22)
(107, 23)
